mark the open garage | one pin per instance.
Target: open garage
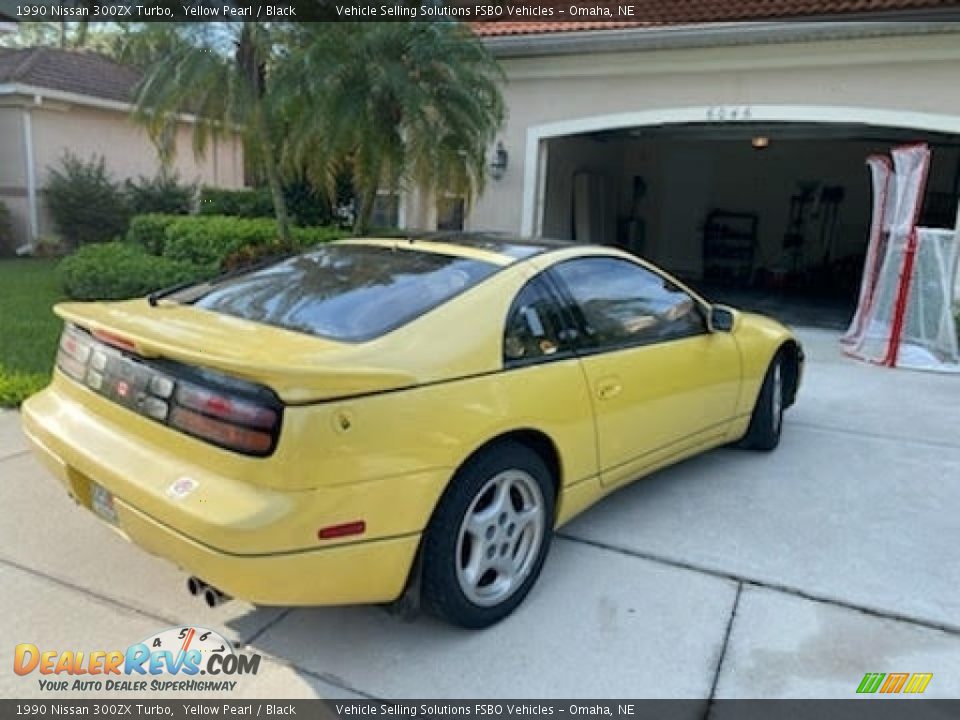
(767, 215)
(733, 155)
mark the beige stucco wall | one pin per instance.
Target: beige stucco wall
(58, 127)
(125, 145)
(907, 74)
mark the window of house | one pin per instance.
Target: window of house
(386, 211)
(450, 212)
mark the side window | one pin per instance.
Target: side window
(622, 303)
(534, 329)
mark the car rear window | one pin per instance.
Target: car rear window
(346, 292)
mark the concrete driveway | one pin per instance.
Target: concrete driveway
(732, 575)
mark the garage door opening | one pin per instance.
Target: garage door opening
(772, 217)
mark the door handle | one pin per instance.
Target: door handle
(608, 388)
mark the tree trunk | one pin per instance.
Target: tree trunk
(279, 201)
(367, 197)
(272, 170)
(252, 66)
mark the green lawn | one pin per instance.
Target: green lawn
(28, 328)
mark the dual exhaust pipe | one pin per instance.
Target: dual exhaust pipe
(211, 596)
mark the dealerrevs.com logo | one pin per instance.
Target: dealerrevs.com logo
(186, 659)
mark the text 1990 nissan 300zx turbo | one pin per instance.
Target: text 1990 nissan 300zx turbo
(376, 415)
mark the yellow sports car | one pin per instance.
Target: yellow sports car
(377, 420)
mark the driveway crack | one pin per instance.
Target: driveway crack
(877, 612)
(258, 633)
(723, 651)
(13, 455)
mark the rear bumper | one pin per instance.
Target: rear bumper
(368, 571)
(356, 573)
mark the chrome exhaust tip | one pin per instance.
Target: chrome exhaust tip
(195, 586)
(214, 597)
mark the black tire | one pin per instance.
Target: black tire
(766, 423)
(509, 472)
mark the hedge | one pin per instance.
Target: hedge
(207, 240)
(163, 250)
(237, 203)
(15, 387)
(149, 231)
(118, 271)
(305, 206)
(210, 240)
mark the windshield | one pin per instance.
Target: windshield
(346, 292)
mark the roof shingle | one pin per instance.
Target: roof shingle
(691, 12)
(84, 73)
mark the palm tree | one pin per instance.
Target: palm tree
(394, 104)
(222, 74)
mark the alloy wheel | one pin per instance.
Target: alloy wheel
(500, 537)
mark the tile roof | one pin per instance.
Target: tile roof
(684, 12)
(84, 73)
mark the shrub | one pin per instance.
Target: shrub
(162, 193)
(85, 203)
(252, 254)
(6, 232)
(237, 203)
(304, 205)
(117, 271)
(48, 247)
(307, 236)
(307, 206)
(150, 231)
(15, 387)
(301, 238)
(208, 240)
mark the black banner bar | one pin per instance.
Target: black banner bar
(622, 12)
(873, 708)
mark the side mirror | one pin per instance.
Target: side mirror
(721, 318)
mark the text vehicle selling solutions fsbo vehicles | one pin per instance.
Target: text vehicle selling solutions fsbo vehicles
(379, 414)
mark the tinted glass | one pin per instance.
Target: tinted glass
(534, 329)
(346, 292)
(622, 303)
(503, 243)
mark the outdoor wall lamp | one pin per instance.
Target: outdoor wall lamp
(498, 164)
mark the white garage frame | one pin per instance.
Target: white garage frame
(535, 156)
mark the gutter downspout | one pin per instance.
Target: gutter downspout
(33, 225)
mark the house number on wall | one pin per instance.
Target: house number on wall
(728, 113)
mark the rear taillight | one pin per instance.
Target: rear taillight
(221, 432)
(225, 407)
(224, 411)
(74, 353)
(224, 419)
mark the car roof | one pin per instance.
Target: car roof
(502, 248)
